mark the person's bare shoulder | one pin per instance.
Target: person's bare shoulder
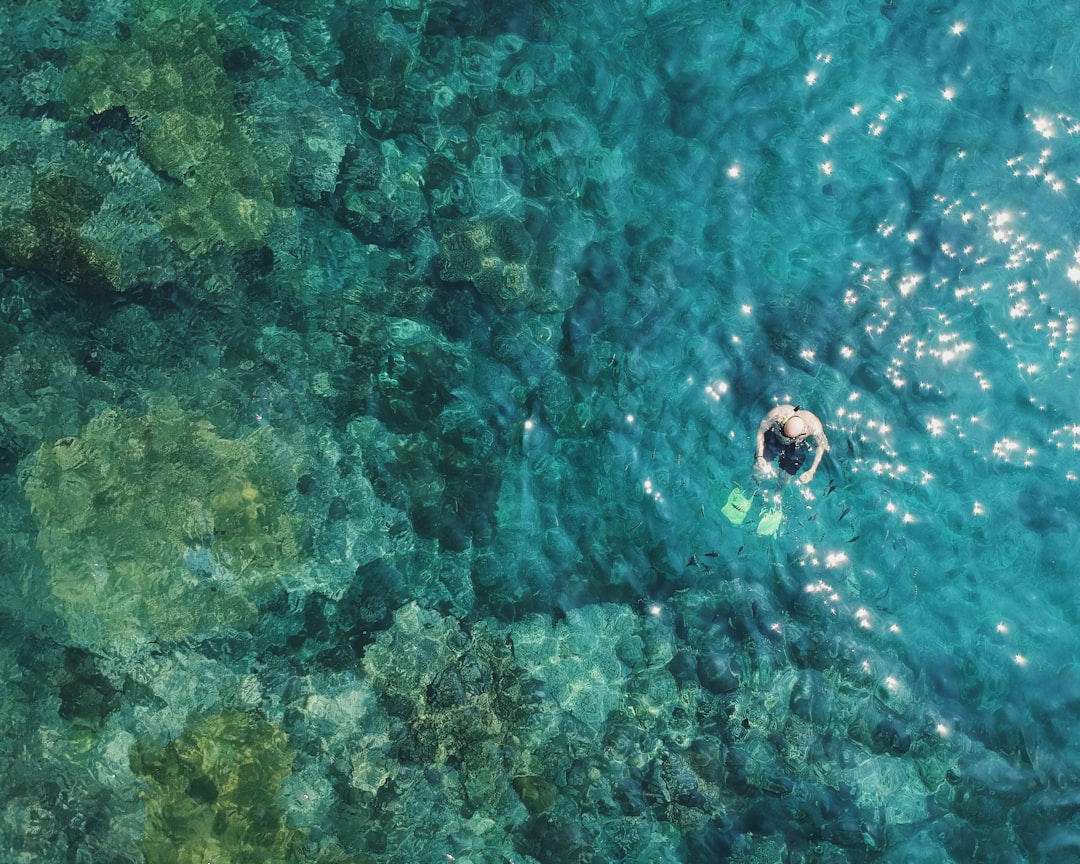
(816, 426)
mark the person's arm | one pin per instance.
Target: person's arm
(821, 446)
(808, 474)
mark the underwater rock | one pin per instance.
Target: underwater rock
(528, 343)
(891, 736)
(86, 696)
(719, 671)
(156, 528)
(31, 830)
(377, 53)
(537, 793)
(313, 123)
(86, 218)
(1044, 508)
(46, 233)
(810, 699)
(990, 774)
(758, 849)
(42, 386)
(379, 191)
(417, 376)
(442, 462)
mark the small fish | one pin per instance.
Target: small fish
(712, 554)
(844, 513)
(510, 644)
(831, 489)
(853, 539)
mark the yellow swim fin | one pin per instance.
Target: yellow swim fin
(736, 507)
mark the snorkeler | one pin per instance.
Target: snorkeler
(785, 432)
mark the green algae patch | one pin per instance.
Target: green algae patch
(157, 528)
(212, 794)
(168, 76)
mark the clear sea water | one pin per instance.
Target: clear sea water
(374, 376)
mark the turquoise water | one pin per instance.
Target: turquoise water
(374, 377)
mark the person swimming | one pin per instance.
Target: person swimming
(784, 435)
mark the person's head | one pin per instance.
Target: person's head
(794, 427)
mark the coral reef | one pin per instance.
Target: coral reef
(156, 528)
(457, 695)
(169, 77)
(370, 372)
(494, 255)
(507, 264)
(582, 669)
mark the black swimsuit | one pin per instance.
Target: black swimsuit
(792, 453)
